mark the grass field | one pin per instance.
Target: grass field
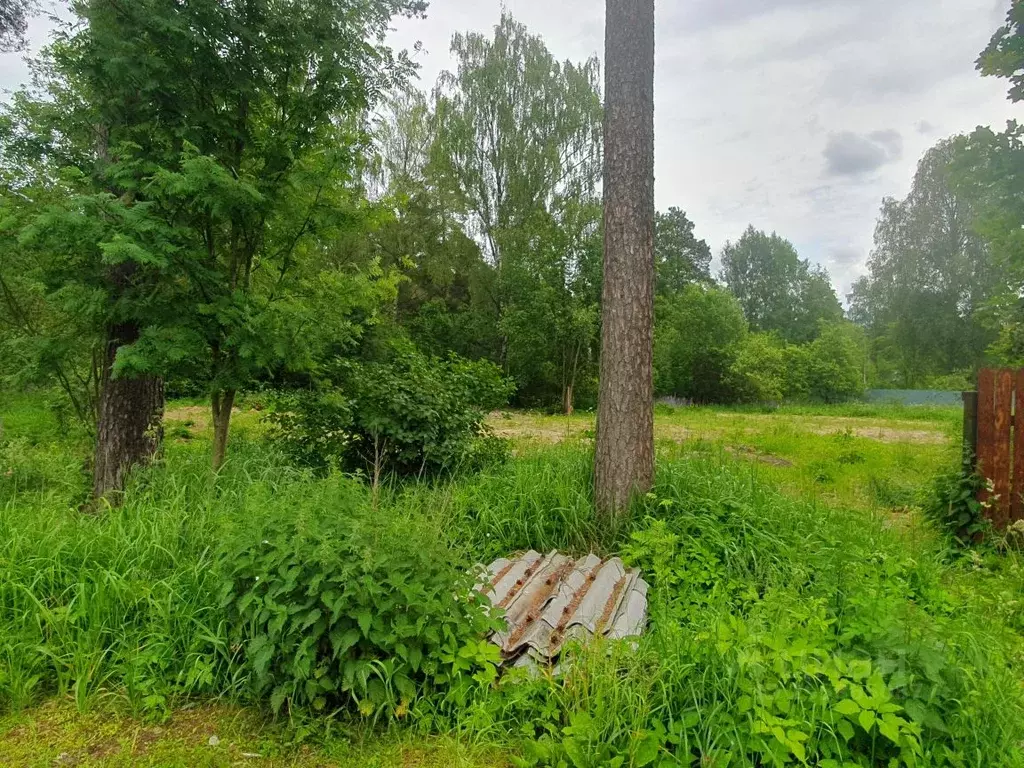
(871, 457)
(785, 549)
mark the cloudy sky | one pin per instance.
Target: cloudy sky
(792, 115)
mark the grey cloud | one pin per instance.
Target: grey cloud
(698, 15)
(890, 139)
(845, 255)
(851, 154)
(867, 74)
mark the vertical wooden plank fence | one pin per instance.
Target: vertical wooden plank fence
(1017, 481)
(1000, 441)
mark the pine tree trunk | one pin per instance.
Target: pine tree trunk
(223, 402)
(130, 424)
(624, 460)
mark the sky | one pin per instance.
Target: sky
(795, 116)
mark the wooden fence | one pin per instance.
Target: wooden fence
(999, 440)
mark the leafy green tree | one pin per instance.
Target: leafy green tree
(836, 363)
(517, 129)
(679, 257)
(988, 170)
(42, 338)
(760, 371)
(447, 299)
(777, 289)
(517, 157)
(698, 335)
(551, 314)
(929, 279)
(217, 147)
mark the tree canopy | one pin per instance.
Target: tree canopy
(778, 290)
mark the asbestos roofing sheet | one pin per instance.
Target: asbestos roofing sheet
(550, 599)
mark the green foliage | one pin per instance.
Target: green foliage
(779, 291)
(954, 507)
(1004, 56)
(957, 381)
(760, 372)
(679, 257)
(410, 415)
(704, 352)
(338, 607)
(835, 364)
(697, 334)
(930, 278)
(782, 633)
(190, 196)
(526, 189)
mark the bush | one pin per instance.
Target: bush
(782, 633)
(957, 381)
(335, 607)
(835, 364)
(411, 415)
(954, 507)
(697, 334)
(758, 374)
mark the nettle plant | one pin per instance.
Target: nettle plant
(955, 508)
(331, 609)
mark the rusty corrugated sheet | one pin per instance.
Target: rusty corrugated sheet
(552, 599)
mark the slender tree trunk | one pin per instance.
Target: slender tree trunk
(129, 427)
(223, 403)
(569, 385)
(624, 460)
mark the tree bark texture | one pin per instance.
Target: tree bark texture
(624, 460)
(129, 429)
(223, 403)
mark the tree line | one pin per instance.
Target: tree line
(211, 199)
(942, 295)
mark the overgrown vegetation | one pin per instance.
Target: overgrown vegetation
(782, 630)
(411, 415)
(249, 203)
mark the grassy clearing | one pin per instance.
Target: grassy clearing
(787, 627)
(877, 457)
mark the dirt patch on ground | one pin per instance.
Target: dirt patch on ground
(539, 428)
(746, 452)
(889, 434)
(197, 418)
(551, 430)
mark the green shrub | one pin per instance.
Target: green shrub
(954, 507)
(697, 334)
(835, 363)
(412, 415)
(957, 381)
(335, 606)
(758, 374)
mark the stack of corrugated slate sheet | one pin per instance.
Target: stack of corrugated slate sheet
(552, 599)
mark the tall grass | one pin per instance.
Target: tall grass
(761, 606)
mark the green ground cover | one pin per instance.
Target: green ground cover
(802, 610)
